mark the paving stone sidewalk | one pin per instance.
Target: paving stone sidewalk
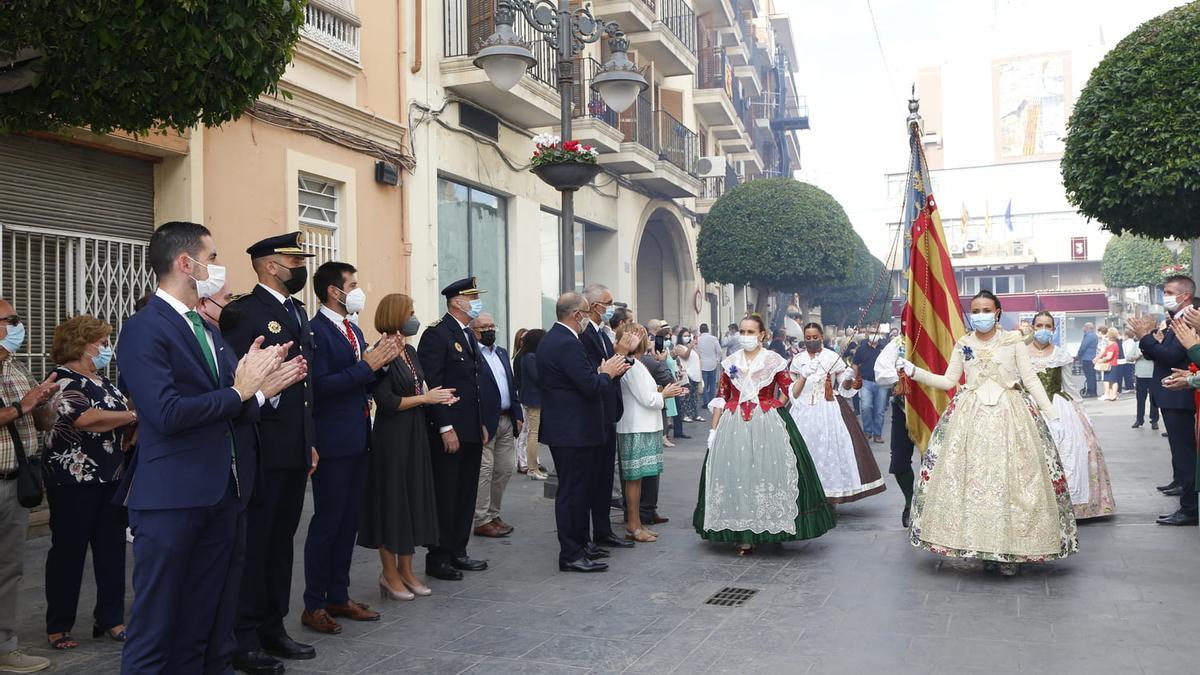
(858, 600)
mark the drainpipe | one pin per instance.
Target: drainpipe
(418, 33)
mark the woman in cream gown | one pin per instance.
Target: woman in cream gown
(991, 485)
(830, 430)
(1087, 473)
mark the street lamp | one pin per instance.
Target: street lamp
(505, 56)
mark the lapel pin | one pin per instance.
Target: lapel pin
(274, 327)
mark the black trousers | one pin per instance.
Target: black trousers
(1089, 377)
(455, 483)
(338, 487)
(83, 515)
(271, 521)
(573, 465)
(902, 445)
(1181, 433)
(649, 505)
(600, 477)
(1143, 393)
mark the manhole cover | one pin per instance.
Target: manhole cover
(731, 596)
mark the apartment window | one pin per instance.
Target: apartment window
(548, 255)
(318, 201)
(1000, 283)
(473, 242)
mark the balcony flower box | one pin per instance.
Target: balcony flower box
(564, 165)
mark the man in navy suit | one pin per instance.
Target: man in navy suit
(1085, 354)
(500, 408)
(449, 355)
(194, 468)
(599, 349)
(343, 371)
(287, 454)
(573, 425)
(1177, 408)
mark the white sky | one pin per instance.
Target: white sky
(857, 112)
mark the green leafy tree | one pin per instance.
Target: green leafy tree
(845, 303)
(1132, 158)
(776, 234)
(1131, 261)
(138, 65)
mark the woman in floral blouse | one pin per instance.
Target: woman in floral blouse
(83, 461)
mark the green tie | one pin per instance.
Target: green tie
(202, 338)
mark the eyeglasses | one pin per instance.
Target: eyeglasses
(12, 320)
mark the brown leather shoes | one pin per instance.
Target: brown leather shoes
(353, 610)
(490, 530)
(321, 622)
(504, 527)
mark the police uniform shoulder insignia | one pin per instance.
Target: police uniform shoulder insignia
(274, 327)
(237, 296)
(435, 323)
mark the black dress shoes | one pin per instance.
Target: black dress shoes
(469, 564)
(594, 553)
(1154, 426)
(1136, 425)
(257, 663)
(1169, 486)
(284, 647)
(582, 566)
(1179, 518)
(444, 572)
(1173, 492)
(614, 542)
(906, 517)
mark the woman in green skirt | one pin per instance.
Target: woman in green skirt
(758, 483)
(639, 432)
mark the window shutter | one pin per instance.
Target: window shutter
(480, 23)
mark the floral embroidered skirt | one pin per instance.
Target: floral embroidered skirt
(759, 483)
(641, 454)
(991, 485)
(1086, 471)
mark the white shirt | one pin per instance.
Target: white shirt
(496, 363)
(340, 321)
(643, 401)
(183, 310)
(710, 352)
(573, 331)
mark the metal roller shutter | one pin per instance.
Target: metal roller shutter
(74, 223)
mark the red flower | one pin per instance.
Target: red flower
(572, 146)
(537, 153)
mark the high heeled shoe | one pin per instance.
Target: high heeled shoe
(385, 591)
(97, 631)
(419, 589)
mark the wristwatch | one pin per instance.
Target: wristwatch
(17, 407)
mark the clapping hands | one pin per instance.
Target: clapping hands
(1185, 333)
(1141, 325)
(384, 351)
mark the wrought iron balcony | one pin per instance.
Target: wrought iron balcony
(331, 24)
(676, 143)
(680, 19)
(637, 123)
(467, 23)
(588, 102)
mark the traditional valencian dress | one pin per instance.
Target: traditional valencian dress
(758, 483)
(991, 485)
(832, 433)
(1079, 450)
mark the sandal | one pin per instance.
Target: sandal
(63, 641)
(640, 535)
(111, 633)
(745, 549)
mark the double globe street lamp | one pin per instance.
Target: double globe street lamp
(506, 56)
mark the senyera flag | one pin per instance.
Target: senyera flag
(932, 317)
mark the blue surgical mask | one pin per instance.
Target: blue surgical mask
(476, 309)
(608, 313)
(1043, 335)
(102, 359)
(14, 339)
(983, 322)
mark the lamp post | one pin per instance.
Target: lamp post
(506, 56)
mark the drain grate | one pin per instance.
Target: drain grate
(731, 596)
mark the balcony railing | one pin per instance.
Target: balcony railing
(715, 186)
(467, 23)
(715, 71)
(679, 18)
(648, 3)
(676, 143)
(588, 102)
(331, 24)
(637, 123)
(787, 113)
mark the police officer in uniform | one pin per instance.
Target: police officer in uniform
(451, 358)
(287, 455)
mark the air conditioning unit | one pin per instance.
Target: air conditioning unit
(971, 246)
(956, 249)
(711, 167)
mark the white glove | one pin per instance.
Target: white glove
(712, 434)
(808, 370)
(907, 366)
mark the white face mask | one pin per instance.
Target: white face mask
(207, 288)
(1170, 303)
(687, 339)
(749, 342)
(355, 301)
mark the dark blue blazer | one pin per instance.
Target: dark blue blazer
(489, 393)
(451, 360)
(1087, 347)
(572, 392)
(1166, 355)
(598, 346)
(341, 389)
(286, 429)
(187, 420)
(531, 387)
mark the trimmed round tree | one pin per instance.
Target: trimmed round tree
(1132, 158)
(1131, 261)
(776, 235)
(843, 304)
(138, 66)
